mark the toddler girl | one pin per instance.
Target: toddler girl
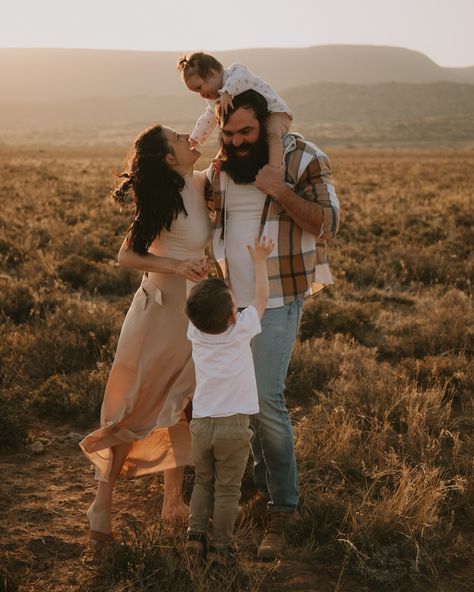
(203, 74)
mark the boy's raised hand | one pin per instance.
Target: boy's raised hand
(261, 249)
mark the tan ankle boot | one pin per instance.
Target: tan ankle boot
(274, 543)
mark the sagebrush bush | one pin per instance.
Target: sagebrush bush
(443, 324)
(314, 363)
(324, 317)
(13, 421)
(454, 372)
(73, 338)
(73, 397)
(104, 278)
(11, 254)
(17, 299)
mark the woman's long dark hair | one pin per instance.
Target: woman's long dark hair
(155, 187)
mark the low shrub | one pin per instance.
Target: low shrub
(75, 397)
(11, 254)
(314, 363)
(441, 324)
(13, 422)
(74, 338)
(96, 277)
(17, 299)
(324, 317)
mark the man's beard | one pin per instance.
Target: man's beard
(244, 169)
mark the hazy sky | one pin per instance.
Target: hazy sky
(443, 30)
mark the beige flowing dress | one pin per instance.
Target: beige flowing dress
(152, 378)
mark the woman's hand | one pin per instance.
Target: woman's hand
(193, 269)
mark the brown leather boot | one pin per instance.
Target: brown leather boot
(274, 543)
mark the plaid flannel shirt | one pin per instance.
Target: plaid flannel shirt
(298, 266)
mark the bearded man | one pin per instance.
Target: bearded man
(299, 212)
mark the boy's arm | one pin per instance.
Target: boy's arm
(259, 254)
(262, 289)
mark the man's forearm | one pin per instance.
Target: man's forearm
(308, 215)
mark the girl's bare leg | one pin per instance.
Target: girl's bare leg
(99, 513)
(278, 124)
(173, 506)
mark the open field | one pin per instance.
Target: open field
(380, 385)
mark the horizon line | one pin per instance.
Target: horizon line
(136, 50)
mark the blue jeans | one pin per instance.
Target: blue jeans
(273, 450)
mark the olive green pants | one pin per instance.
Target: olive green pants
(220, 452)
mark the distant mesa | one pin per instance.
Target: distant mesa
(339, 94)
(58, 74)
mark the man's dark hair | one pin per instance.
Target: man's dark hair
(250, 99)
(210, 305)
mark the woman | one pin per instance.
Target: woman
(143, 424)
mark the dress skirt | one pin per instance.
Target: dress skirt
(150, 385)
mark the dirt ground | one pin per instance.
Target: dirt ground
(43, 532)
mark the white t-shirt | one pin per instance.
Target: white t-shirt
(243, 205)
(225, 375)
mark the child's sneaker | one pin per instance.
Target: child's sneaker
(222, 556)
(196, 545)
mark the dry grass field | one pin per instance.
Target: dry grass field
(380, 386)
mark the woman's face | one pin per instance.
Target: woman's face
(179, 144)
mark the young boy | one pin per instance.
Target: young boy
(204, 74)
(224, 400)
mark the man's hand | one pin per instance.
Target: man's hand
(270, 181)
(224, 103)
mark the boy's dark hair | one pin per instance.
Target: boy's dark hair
(198, 63)
(210, 305)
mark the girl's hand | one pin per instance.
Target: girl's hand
(193, 269)
(261, 250)
(225, 103)
(216, 164)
